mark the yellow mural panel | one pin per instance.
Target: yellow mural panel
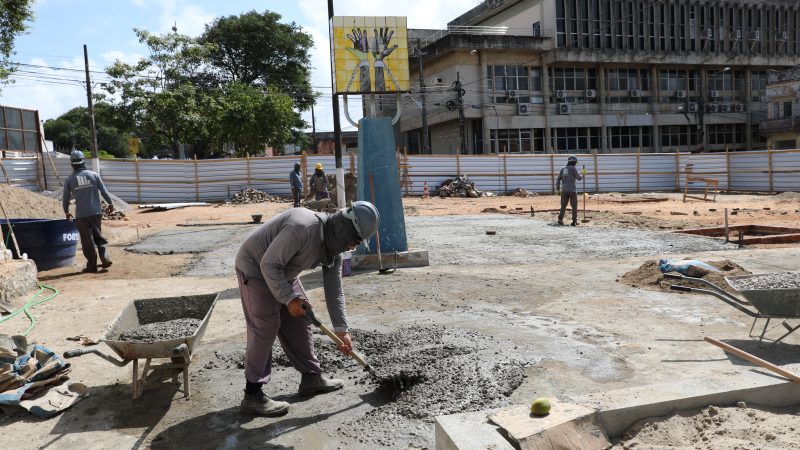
(370, 54)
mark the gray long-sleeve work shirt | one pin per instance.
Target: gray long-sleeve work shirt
(318, 183)
(295, 180)
(566, 179)
(83, 185)
(280, 249)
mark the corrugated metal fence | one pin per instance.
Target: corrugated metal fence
(149, 181)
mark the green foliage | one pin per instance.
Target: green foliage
(72, 129)
(14, 17)
(258, 50)
(180, 94)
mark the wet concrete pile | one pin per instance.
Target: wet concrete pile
(782, 280)
(649, 276)
(160, 331)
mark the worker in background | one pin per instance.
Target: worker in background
(565, 185)
(296, 182)
(318, 183)
(268, 265)
(86, 186)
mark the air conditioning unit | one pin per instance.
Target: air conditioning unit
(523, 109)
(561, 94)
(714, 94)
(738, 33)
(724, 108)
(512, 94)
(692, 107)
(738, 107)
(635, 93)
(564, 108)
(712, 108)
(757, 35)
(591, 93)
(680, 94)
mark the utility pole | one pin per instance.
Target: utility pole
(460, 103)
(337, 128)
(425, 139)
(313, 129)
(92, 131)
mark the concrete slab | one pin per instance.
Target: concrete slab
(17, 279)
(400, 260)
(619, 409)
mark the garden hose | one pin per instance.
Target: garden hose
(33, 301)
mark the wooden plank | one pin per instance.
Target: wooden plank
(728, 167)
(5, 174)
(568, 426)
(769, 155)
(505, 173)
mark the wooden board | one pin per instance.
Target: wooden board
(567, 427)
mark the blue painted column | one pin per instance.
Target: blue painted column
(377, 158)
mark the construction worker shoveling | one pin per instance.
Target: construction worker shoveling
(567, 189)
(318, 184)
(268, 265)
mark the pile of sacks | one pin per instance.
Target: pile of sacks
(460, 186)
(34, 378)
(250, 195)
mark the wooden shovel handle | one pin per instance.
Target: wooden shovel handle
(339, 342)
(754, 359)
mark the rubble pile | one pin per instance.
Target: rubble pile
(116, 215)
(250, 195)
(460, 186)
(522, 192)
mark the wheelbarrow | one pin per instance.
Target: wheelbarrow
(317, 205)
(782, 304)
(178, 348)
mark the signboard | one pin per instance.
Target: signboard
(19, 129)
(370, 54)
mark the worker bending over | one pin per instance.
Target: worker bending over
(268, 265)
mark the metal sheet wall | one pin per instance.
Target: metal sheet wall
(157, 181)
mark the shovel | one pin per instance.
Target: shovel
(381, 269)
(393, 385)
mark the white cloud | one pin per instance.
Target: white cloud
(189, 18)
(52, 92)
(116, 55)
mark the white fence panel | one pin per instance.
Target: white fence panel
(786, 171)
(707, 165)
(750, 171)
(431, 169)
(531, 172)
(617, 172)
(22, 172)
(657, 172)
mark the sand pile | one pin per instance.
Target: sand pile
(119, 204)
(649, 276)
(729, 428)
(23, 204)
(787, 197)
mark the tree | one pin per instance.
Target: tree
(70, 130)
(14, 16)
(258, 50)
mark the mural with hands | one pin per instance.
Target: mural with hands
(370, 54)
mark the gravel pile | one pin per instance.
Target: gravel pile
(160, 331)
(782, 280)
(249, 195)
(649, 276)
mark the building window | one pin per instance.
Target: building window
(627, 138)
(517, 141)
(561, 23)
(726, 134)
(510, 84)
(676, 136)
(670, 82)
(575, 140)
(573, 79)
(758, 86)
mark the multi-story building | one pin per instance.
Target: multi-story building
(606, 75)
(782, 127)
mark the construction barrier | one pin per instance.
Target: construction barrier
(156, 181)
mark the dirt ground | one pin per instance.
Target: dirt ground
(544, 297)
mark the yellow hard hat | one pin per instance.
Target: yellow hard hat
(319, 166)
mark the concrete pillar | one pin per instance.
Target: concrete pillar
(601, 95)
(748, 127)
(377, 160)
(656, 91)
(546, 89)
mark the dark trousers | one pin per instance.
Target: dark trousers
(89, 229)
(319, 195)
(266, 319)
(572, 198)
(296, 193)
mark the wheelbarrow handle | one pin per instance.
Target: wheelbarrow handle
(677, 287)
(673, 276)
(109, 358)
(75, 353)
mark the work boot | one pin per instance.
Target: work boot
(107, 264)
(89, 270)
(316, 383)
(574, 223)
(560, 222)
(259, 404)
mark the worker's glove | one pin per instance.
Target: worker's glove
(559, 192)
(583, 171)
(69, 217)
(296, 307)
(110, 208)
(347, 341)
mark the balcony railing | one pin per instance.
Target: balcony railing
(780, 125)
(483, 31)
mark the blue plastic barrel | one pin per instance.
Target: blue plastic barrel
(49, 243)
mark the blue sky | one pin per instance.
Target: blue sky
(53, 45)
